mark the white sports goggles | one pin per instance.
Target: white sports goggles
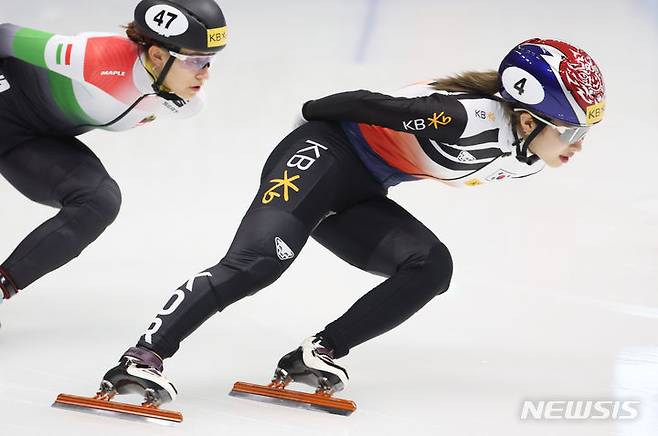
(568, 134)
(193, 62)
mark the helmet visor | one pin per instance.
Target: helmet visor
(568, 134)
(193, 62)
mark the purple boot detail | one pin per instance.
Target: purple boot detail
(145, 356)
(7, 287)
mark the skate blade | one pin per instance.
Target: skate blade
(74, 401)
(292, 398)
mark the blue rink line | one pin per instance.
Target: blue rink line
(366, 34)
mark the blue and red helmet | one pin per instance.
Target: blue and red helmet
(554, 79)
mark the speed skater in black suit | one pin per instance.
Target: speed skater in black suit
(328, 180)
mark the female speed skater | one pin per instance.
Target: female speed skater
(54, 88)
(328, 179)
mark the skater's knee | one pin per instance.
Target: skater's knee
(106, 202)
(265, 271)
(90, 212)
(236, 277)
(433, 263)
(96, 206)
(255, 272)
(439, 267)
(265, 245)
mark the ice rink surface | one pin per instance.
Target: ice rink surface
(555, 290)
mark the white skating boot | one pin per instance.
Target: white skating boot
(139, 371)
(312, 364)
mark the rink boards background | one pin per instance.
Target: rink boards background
(554, 292)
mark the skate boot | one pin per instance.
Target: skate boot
(311, 364)
(7, 287)
(139, 371)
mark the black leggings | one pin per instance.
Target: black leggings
(60, 172)
(314, 185)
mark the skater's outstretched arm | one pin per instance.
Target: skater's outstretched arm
(437, 116)
(61, 54)
(5, 42)
(110, 63)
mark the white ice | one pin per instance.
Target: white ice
(554, 296)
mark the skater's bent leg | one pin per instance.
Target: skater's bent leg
(267, 242)
(309, 175)
(381, 237)
(418, 280)
(64, 173)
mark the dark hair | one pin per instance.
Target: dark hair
(133, 33)
(486, 83)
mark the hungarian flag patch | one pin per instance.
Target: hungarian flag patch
(63, 56)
